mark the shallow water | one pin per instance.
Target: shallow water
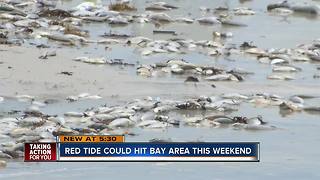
(288, 152)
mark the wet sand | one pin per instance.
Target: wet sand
(41, 78)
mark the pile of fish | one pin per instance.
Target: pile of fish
(211, 73)
(283, 60)
(40, 23)
(147, 113)
(40, 19)
(288, 8)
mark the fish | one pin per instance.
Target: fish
(284, 69)
(280, 77)
(222, 77)
(160, 6)
(209, 20)
(161, 17)
(121, 122)
(243, 11)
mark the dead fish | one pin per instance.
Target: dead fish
(27, 23)
(58, 37)
(144, 71)
(11, 17)
(314, 57)
(239, 71)
(163, 108)
(234, 96)
(4, 7)
(160, 6)
(300, 58)
(278, 61)
(255, 121)
(109, 41)
(161, 17)
(83, 95)
(147, 116)
(222, 77)
(5, 156)
(24, 139)
(57, 120)
(121, 122)
(87, 6)
(282, 11)
(91, 60)
(156, 7)
(24, 98)
(73, 114)
(209, 20)
(264, 60)
(46, 3)
(283, 4)
(255, 51)
(118, 20)
(193, 120)
(183, 64)
(106, 118)
(288, 105)
(105, 109)
(95, 18)
(64, 131)
(18, 132)
(220, 119)
(280, 77)
(296, 99)
(93, 97)
(47, 54)
(309, 9)
(83, 13)
(184, 20)
(138, 40)
(228, 22)
(284, 69)
(106, 13)
(243, 11)
(190, 104)
(31, 121)
(176, 69)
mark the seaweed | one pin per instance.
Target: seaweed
(121, 7)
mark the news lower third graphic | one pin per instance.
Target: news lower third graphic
(114, 148)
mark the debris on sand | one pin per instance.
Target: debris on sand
(55, 13)
(121, 7)
(68, 73)
(47, 54)
(191, 79)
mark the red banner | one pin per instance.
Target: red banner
(40, 152)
